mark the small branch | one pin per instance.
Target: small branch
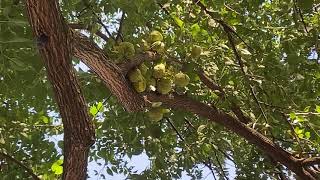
(175, 129)
(119, 33)
(209, 166)
(220, 165)
(137, 60)
(301, 16)
(105, 28)
(88, 28)
(311, 161)
(221, 22)
(28, 170)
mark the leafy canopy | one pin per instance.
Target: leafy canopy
(278, 74)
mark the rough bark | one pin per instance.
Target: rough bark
(110, 73)
(263, 143)
(55, 49)
(201, 109)
(52, 34)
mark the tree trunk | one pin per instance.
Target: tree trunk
(53, 40)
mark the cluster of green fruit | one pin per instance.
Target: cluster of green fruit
(157, 76)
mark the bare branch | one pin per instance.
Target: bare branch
(88, 28)
(119, 33)
(28, 170)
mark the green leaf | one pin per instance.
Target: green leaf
(292, 115)
(318, 109)
(57, 168)
(307, 135)
(93, 110)
(45, 119)
(100, 107)
(201, 128)
(109, 171)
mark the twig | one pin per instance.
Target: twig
(88, 28)
(28, 170)
(220, 165)
(175, 129)
(301, 16)
(209, 166)
(311, 161)
(119, 33)
(221, 22)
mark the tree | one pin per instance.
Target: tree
(253, 95)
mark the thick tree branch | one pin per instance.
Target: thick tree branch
(234, 125)
(91, 55)
(28, 170)
(55, 49)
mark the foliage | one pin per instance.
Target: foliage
(278, 36)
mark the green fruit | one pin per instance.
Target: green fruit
(140, 86)
(126, 49)
(155, 36)
(151, 83)
(135, 75)
(155, 114)
(158, 47)
(143, 68)
(181, 79)
(159, 70)
(196, 51)
(164, 85)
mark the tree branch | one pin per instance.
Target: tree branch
(119, 33)
(91, 55)
(203, 110)
(28, 170)
(88, 28)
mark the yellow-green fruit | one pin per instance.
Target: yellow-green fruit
(196, 51)
(155, 36)
(155, 114)
(135, 75)
(151, 83)
(140, 86)
(126, 49)
(159, 70)
(158, 46)
(181, 79)
(143, 68)
(164, 85)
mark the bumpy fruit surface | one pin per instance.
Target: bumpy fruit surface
(164, 85)
(159, 70)
(155, 36)
(143, 68)
(135, 75)
(196, 51)
(126, 49)
(140, 86)
(181, 80)
(158, 46)
(155, 114)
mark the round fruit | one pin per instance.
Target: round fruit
(159, 70)
(135, 75)
(164, 85)
(196, 51)
(155, 114)
(155, 36)
(143, 68)
(181, 79)
(126, 49)
(140, 86)
(158, 47)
